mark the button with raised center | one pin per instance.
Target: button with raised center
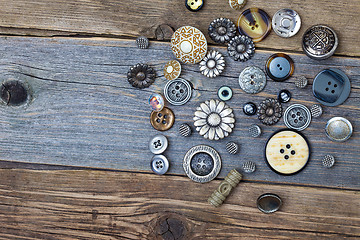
(286, 22)
(194, 5)
(338, 129)
(225, 93)
(279, 67)
(172, 70)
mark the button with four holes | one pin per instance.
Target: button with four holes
(162, 120)
(159, 164)
(279, 67)
(297, 116)
(158, 144)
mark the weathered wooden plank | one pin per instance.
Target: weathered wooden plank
(84, 112)
(133, 18)
(123, 205)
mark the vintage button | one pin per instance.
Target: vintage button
(287, 152)
(142, 42)
(254, 131)
(249, 167)
(250, 108)
(269, 111)
(156, 102)
(159, 164)
(232, 147)
(172, 70)
(297, 117)
(158, 144)
(241, 48)
(221, 30)
(269, 203)
(252, 80)
(301, 82)
(331, 87)
(189, 44)
(177, 92)
(316, 110)
(338, 129)
(194, 5)
(225, 93)
(328, 161)
(185, 130)
(141, 76)
(254, 23)
(319, 42)
(284, 96)
(237, 4)
(286, 22)
(202, 163)
(162, 120)
(213, 64)
(279, 67)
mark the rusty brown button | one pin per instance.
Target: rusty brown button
(162, 120)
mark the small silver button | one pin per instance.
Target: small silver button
(269, 203)
(185, 130)
(301, 82)
(249, 167)
(142, 42)
(297, 117)
(286, 22)
(252, 80)
(158, 144)
(177, 92)
(254, 130)
(159, 164)
(328, 161)
(232, 147)
(316, 110)
(338, 129)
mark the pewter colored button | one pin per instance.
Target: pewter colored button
(297, 116)
(177, 92)
(225, 93)
(286, 22)
(316, 110)
(158, 144)
(279, 67)
(338, 129)
(252, 80)
(142, 42)
(269, 203)
(232, 147)
(159, 164)
(301, 82)
(249, 167)
(254, 130)
(185, 130)
(328, 161)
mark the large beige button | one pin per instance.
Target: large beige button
(287, 152)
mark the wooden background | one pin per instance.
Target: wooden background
(74, 58)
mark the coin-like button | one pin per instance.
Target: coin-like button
(162, 120)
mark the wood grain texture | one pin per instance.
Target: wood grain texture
(123, 205)
(134, 18)
(84, 112)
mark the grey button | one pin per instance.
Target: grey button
(286, 22)
(316, 110)
(249, 167)
(338, 129)
(328, 161)
(254, 130)
(142, 42)
(232, 147)
(158, 144)
(279, 67)
(297, 116)
(269, 203)
(252, 80)
(177, 92)
(185, 130)
(159, 164)
(301, 82)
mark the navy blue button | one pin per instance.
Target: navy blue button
(250, 108)
(279, 67)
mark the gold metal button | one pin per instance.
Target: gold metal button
(162, 120)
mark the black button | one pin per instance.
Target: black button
(250, 108)
(284, 96)
(194, 5)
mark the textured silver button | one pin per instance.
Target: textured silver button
(212, 64)
(316, 110)
(142, 42)
(249, 167)
(286, 22)
(297, 116)
(159, 164)
(232, 147)
(252, 80)
(269, 203)
(338, 129)
(158, 144)
(301, 81)
(185, 130)
(254, 130)
(177, 92)
(328, 161)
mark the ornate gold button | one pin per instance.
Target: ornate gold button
(162, 120)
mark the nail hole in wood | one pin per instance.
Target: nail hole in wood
(13, 93)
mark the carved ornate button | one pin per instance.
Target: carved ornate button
(141, 75)
(269, 111)
(254, 23)
(213, 64)
(158, 144)
(225, 93)
(331, 87)
(159, 164)
(194, 5)
(189, 44)
(252, 80)
(202, 163)
(287, 152)
(338, 129)
(172, 70)
(249, 108)
(241, 48)
(237, 4)
(221, 30)
(177, 92)
(319, 42)
(279, 67)
(162, 120)
(297, 117)
(286, 22)
(284, 96)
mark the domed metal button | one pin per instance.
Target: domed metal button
(177, 92)
(252, 80)
(319, 42)
(269, 203)
(301, 82)
(279, 67)
(331, 87)
(159, 164)
(287, 152)
(172, 70)
(249, 167)
(338, 129)
(286, 22)
(254, 23)
(232, 147)
(297, 117)
(254, 130)
(328, 161)
(316, 110)
(249, 108)
(185, 130)
(142, 42)
(241, 48)
(221, 30)
(202, 163)
(194, 5)
(158, 144)
(225, 93)
(162, 120)
(284, 96)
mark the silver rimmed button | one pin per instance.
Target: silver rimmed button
(177, 92)
(338, 129)
(252, 80)
(158, 144)
(286, 22)
(159, 164)
(297, 116)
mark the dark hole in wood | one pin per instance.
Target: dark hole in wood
(13, 93)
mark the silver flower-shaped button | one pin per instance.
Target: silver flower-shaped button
(213, 64)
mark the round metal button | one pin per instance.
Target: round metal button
(328, 161)
(338, 129)
(316, 110)
(225, 93)
(270, 111)
(249, 108)
(185, 130)
(194, 5)
(331, 87)
(297, 117)
(254, 131)
(254, 23)
(159, 164)
(177, 92)
(249, 167)
(162, 120)
(202, 163)
(252, 80)
(158, 144)
(279, 67)
(286, 22)
(221, 30)
(319, 42)
(172, 70)
(142, 42)
(284, 96)
(269, 203)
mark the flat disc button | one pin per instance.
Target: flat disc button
(254, 23)
(252, 80)
(194, 5)
(162, 120)
(297, 117)
(158, 144)
(286, 22)
(178, 91)
(279, 67)
(159, 164)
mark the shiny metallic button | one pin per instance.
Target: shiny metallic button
(225, 93)
(172, 70)
(141, 76)
(338, 129)
(286, 22)
(158, 144)
(328, 161)
(241, 48)
(162, 120)
(221, 30)
(142, 42)
(252, 80)
(279, 67)
(319, 42)
(301, 82)
(212, 64)
(194, 5)
(254, 131)
(159, 164)
(269, 203)
(249, 167)
(237, 4)
(284, 96)
(177, 92)
(254, 23)
(297, 117)
(185, 130)
(331, 87)
(232, 147)
(249, 108)
(270, 111)
(316, 110)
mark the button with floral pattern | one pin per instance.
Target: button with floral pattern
(254, 23)
(162, 120)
